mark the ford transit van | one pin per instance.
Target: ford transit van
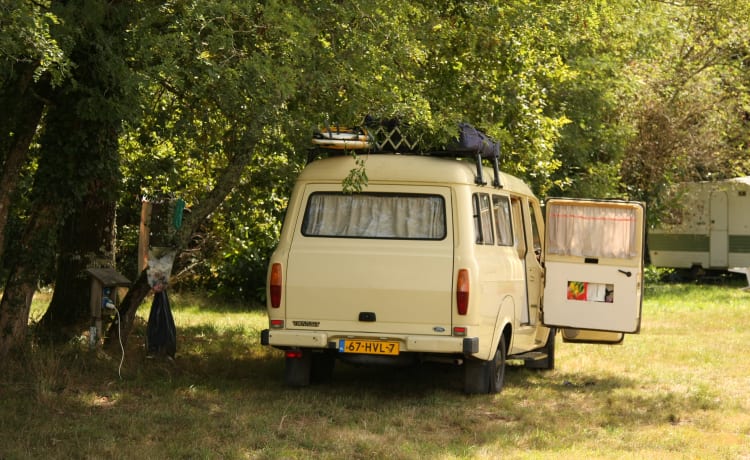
(432, 260)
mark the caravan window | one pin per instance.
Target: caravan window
(375, 215)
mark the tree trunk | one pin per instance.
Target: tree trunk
(14, 310)
(18, 126)
(87, 236)
(78, 170)
(21, 283)
(86, 241)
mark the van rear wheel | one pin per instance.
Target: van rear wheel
(483, 377)
(497, 368)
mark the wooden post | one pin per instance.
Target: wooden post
(144, 235)
(95, 331)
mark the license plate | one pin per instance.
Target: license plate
(368, 347)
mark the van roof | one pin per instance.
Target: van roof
(389, 168)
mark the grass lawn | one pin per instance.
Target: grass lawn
(680, 389)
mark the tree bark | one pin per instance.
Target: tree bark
(87, 235)
(86, 241)
(14, 311)
(21, 283)
(18, 126)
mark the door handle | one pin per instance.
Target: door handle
(626, 273)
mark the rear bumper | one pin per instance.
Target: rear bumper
(284, 338)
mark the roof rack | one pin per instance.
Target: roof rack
(386, 136)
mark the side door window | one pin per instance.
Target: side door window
(519, 240)
(503, 226)
(534, 270)
(536, 234)
(519, 235)
(482, 219)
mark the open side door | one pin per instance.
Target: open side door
(594, 269)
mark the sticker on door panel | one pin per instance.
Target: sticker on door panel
(591, 292)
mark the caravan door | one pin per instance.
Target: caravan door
(594, 269)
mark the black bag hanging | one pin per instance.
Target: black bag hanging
(161, 333)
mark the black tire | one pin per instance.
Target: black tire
(322, 367)
(497, 368)
(297, 371)
(483, 377)
(547, 363)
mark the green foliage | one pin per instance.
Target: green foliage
(357, 178)
(654, 275)
(598, 99)
(228, 77)
(690, 112)
(25, 37)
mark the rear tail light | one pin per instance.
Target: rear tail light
(293, 354)
(462, 291)
(274, 284)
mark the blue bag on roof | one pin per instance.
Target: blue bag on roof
(471, 140)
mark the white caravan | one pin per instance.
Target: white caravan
(711, 230)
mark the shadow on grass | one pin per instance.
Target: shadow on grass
(232, 359)
(223, 381)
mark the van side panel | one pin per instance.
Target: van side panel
(498, 288)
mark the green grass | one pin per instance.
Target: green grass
(680, 389)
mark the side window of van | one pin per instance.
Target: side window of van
(533, 209)
(501, 211)
(518, 226)
(482, 219)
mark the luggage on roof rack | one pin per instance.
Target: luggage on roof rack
(387, 136)
(342, 138)
(473, 143)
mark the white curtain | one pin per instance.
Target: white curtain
(485, 219)
(586, 231)
(502, 220)
(375, 216)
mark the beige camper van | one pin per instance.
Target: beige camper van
(448, 260)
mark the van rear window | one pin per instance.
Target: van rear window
(375, 215)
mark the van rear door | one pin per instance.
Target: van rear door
(379, 261)
(594, 268)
